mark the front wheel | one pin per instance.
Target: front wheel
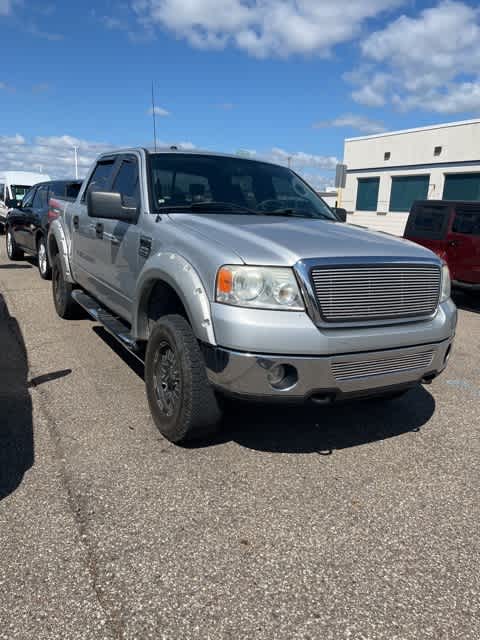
(181, 400)
(65, 305)
(13, 252)
(42, 259)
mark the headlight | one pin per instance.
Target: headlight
(446, 284)
(260, 287)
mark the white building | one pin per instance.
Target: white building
(387, 172)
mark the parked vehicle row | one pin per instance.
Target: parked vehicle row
(26, 226)
(452, 230)
(13, 188)
(229, 276)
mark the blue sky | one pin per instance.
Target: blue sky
(277, 77)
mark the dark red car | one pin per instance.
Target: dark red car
(452, 230)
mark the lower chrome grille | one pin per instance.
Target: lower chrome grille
(368, 368)
(361, 293)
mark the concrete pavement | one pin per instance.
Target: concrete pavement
(358, 522)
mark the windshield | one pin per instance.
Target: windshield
(202, 184)
(19, 191)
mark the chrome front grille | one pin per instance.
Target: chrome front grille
(367, 368)
(358, 293)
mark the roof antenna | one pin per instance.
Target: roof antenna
(154, 120)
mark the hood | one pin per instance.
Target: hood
(280, 241)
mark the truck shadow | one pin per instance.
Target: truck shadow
(308, 429)
(324, 430)
(16, 425)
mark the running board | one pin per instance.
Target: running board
(110, 323)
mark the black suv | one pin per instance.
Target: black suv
(27, 225)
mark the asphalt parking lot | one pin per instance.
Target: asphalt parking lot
(356, 522)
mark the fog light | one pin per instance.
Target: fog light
(276, 374)
(282, 377)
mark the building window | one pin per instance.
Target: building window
(386, 155)
(367, 194)
(437, 151)
(406, 190)
(462, 186)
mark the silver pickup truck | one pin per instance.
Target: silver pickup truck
(230, 277)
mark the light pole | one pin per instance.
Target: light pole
(75, 150)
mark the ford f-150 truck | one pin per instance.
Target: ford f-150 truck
(229, 276)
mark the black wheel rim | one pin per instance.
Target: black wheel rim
(166, 379)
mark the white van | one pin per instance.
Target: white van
(13, 187)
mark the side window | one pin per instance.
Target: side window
(28, 199)
(57, 189)
(40, 200)
(2, 192)
(72, 189)
(428, 221)
(100, 179)
(467, 221)
(126, 183)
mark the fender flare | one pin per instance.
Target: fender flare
(56, 233)
(181, 276)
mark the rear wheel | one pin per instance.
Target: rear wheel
(42, 260)
(13, 252)
(181, 400)
(65, 305)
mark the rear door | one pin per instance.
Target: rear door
(464, 244)
(121, 239)
(428, 225)
(87, 233)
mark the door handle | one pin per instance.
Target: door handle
(99, 229)
(454, 243)
(75, 222)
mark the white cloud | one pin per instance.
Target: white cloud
(430, 61)
(54, 155)
(263, 28)
(300, 159)
(159, 111)
(6, 87)
(361, 123)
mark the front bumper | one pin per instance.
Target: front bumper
(325, 378)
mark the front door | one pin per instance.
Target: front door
(33, 216)
(464, 244)
(18, 219)
(121, 239)
(88, 248)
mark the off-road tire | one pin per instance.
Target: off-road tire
(44, 268)
(65, 305)
(194, 414)
(13, 252)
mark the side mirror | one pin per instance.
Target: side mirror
(12, 203)
(341, 213)
(109, 205)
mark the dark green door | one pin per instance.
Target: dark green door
(367, 194)
(406, 190)
(462, 186)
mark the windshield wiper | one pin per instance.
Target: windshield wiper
(199, 206)
(295, 213)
